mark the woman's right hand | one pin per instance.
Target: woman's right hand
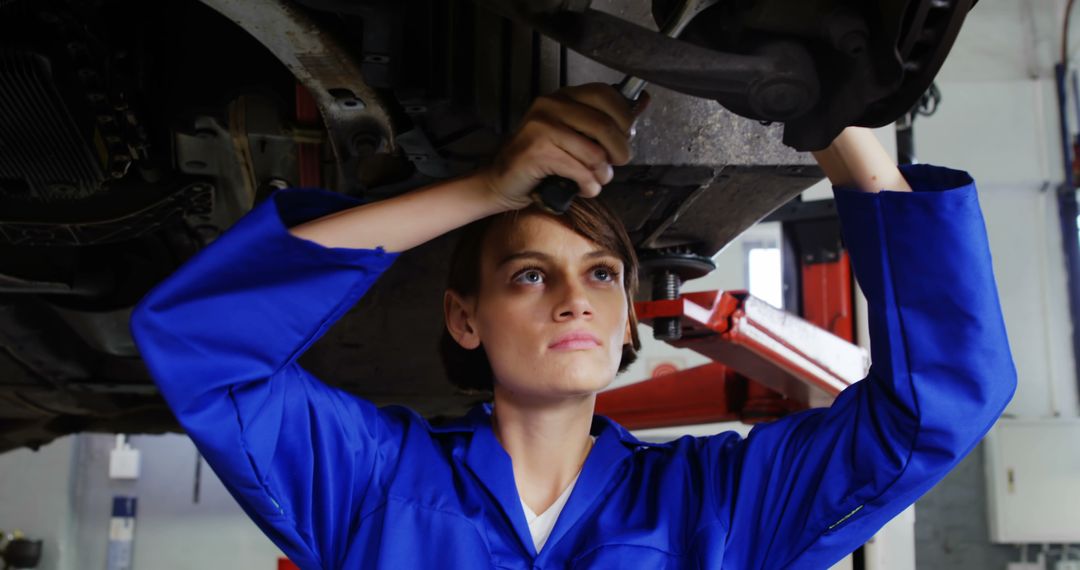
(577, 132)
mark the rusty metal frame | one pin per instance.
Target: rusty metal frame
(349, 106)
(764, 80)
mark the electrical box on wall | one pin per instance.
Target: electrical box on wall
(1032, 474)
(123, 460)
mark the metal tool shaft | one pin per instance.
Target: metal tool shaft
(555, 193)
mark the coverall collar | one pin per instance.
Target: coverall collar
(493, 467)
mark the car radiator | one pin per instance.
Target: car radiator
(45, 154)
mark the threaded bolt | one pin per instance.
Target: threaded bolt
(666, 286)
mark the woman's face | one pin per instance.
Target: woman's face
(541, 281)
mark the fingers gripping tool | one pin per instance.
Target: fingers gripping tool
(554, 193)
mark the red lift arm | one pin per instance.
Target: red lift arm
(793, 364)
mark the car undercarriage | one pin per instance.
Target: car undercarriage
(132, 134)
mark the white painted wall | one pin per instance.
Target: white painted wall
(35, 497)
(998, 120)
(172, 531)
(63, 495)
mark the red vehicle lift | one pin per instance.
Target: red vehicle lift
(767, 362)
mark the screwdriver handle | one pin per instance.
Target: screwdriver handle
(554, 194)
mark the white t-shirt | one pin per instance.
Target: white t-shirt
(540, 525)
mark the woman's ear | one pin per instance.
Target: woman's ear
(628, 335)
(458, 313)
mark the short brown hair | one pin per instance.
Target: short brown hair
(470, 370)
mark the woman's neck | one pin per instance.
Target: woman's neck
(548, 443)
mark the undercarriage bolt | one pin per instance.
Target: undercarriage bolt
(668, 267)
(365, 143)
(666, 286)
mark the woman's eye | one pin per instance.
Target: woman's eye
(605, 273)
(530, 276)
(533, 276)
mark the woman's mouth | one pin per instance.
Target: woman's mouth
(576, 340)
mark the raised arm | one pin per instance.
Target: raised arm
(857, 159)
(804, 491)
(577, 132)
(221, 336)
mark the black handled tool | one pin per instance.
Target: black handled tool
(555, 193)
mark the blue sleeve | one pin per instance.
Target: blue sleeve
(221, 336)
(804, 491)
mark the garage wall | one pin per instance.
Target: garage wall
(35, 497)
(63, 495)
(998, 119)
(172, 530)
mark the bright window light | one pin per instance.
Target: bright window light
(766, 281)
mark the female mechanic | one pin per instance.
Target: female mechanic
(539, 310)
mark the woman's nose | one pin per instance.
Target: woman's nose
(573, 303)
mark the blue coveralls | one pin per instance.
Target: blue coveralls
(336, 482)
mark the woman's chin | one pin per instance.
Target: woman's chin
(564, 385)
(560, 375)
(581, 378)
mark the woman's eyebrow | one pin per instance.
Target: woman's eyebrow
(531, 254)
